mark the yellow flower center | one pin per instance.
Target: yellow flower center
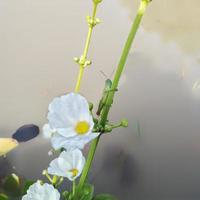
(82, 127)
(74, 172)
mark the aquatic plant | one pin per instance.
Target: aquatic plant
(72, 123)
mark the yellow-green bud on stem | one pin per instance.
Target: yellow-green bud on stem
(97, 1)
(108, 128)
(148, 1)
(124, 123)
(44, 172)
(115, 82)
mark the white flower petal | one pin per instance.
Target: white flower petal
(66, 110)
(66, 163)
(66, 113)
(41, 192)
(48, 131)
(78, 104)
(76, 142)
(67, 132)
(59, 167)
(79, 160)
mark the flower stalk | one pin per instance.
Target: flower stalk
(82, 61)
(71, 125)
(73, 188)
(118, 73)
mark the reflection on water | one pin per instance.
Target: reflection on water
(175, 20)
(38, 44)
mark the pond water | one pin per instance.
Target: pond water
(157, 157)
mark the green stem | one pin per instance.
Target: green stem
(88, 163)
(116, 126)
(115, 83)
(90, 32)
(73, 188)
(86, 48)
(123, 60)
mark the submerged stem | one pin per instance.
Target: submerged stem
(115, 83)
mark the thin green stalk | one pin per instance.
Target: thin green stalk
(115, 83)
(73, 188)
(82, 61)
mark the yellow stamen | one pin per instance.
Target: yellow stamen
(74, 172)
(82, 127)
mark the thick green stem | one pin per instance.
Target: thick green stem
(88, 163)
(106, 109)
(123, 60)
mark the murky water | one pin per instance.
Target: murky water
(157, 157)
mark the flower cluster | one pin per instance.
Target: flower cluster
(69, 129)
(71, 126)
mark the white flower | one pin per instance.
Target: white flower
(69, 164)
(70, 121)
(41, 192)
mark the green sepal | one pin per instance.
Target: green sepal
(3, 197)
(104, 197)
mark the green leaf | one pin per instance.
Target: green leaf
(11, 185)
(26, 186)
(104, 197)
(3, 197)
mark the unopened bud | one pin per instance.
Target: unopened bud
(44, 172)
(97, 1)
(147, 1)
(124, 123)
(87, 62)
(108, 128)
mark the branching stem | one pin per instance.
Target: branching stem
(118, 73)
(83, 60)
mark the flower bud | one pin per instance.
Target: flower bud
(124, 123)
(76, 59)
(44, 172)
(147, 1)
(97, 1)
(108, 128)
